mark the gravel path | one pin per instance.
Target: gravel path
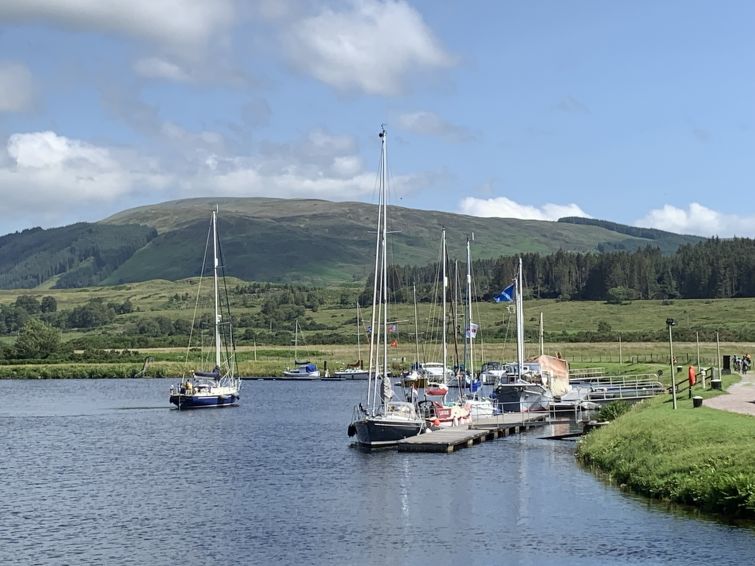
(739, 398)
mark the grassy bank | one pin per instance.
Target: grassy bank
(693, 456)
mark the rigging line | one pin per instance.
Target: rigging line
(196, 300)
(230, 344)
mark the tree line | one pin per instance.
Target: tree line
(711, 269)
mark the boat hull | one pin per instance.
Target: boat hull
(360, 375)
(292, 375)
(374, 432)
(515, 398)
(184, 401)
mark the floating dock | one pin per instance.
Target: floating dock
(449, 439)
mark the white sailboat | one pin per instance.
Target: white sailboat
(354, 371)
(220, 386)
(522, 387)
(479, 405)
(303, 370)
(434, 408)
(382, 421)
(437, 375)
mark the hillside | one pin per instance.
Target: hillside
(77, 255)
(267, 239)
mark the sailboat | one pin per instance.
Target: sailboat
(304, 370)
(356, 370)
(436, 374)
(435, 410)
(478, 405)
(523, 387)
(382, 421)
(220, 386)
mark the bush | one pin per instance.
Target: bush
(612, 411)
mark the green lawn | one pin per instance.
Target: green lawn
(701, 457)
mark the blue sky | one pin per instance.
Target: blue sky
(637, 112)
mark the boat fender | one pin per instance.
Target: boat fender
(352, 430)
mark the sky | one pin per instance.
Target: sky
(640, 112)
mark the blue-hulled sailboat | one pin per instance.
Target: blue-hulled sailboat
(220, 386)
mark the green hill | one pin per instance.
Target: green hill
(265, 239)
(77, 255)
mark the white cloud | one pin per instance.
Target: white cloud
(177, 24)
(699, 220)
(158, 68)
(49, 179)
(319, 165)
(50, 176)
(16, 90)
(502, 207)
(430, 124)
(371, 45)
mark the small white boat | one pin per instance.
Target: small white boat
(354, 371)
(306, 371)
(351, 373)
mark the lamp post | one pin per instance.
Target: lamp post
(697, 339)
(671, 322)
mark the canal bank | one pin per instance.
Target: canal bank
(698, 456)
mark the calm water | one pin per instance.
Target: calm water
(103, 472)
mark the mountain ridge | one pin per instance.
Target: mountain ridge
(289, 240)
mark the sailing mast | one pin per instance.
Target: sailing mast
(387, 391)
(542, 345)
(380, 301)
(455, 318)
(445, 292)
(215, 282)
(416, 328)
(519, 321)
(296, 341)
(469, 304)
(359, 346)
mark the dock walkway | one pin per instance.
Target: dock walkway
(449, 439)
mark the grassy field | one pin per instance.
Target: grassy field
(495, 340)
(701, 457)
(157, 298)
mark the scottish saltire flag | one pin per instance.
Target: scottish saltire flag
(472, 330)
(507, 295)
